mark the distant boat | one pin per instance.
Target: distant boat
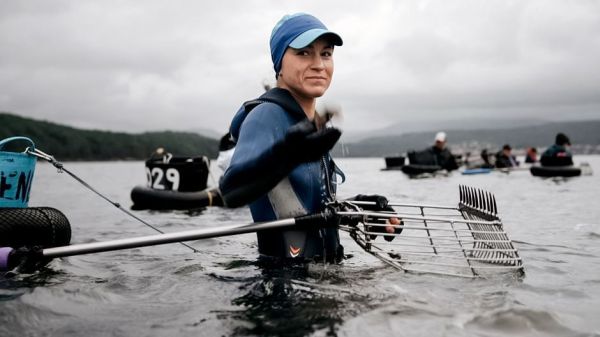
(398, 163)
(423, 171)
(424, 164)
(394, 163)
(479, 170)
(555, 171)
(486, 170)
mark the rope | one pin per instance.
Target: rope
(38, 153)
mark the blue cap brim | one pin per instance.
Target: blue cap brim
(311, 35)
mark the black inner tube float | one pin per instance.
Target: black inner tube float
(175, 183)
(31, 227)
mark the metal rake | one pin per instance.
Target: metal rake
(467, 241)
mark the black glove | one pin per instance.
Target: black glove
(380, 204)
(304, 143)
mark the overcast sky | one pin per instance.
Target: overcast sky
(182, 65)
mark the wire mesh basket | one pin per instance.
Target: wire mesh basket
(468, 240)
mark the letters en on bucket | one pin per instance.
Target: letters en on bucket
(16, 174)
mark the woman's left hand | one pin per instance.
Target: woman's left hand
(393, 222)
(393, 228)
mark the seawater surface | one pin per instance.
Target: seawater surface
(168, 290)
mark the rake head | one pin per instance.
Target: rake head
(477, 201)
(468, 240)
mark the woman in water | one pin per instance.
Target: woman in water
(281, 166)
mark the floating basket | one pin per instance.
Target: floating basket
(16, 174)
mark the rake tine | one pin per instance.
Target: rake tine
(484, 201)
(468, 191)
(495, 206)
(480, 194)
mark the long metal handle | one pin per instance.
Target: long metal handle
(158, 239)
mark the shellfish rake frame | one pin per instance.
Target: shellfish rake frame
(467, 241)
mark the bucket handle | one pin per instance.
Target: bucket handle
(10, 139)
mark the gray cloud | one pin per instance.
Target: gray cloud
(131, 66)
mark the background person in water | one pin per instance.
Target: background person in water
(558, 154)
(505, 158)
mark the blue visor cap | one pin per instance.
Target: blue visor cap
(297, 31)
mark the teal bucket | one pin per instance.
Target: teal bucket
(16, 174)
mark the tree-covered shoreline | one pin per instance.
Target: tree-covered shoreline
(68, 143)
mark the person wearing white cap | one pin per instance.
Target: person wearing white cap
(440, 138)
(441, 154)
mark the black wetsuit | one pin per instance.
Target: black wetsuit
(504, 161)
(258, 126)
(556, 155)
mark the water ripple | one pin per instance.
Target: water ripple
(519, 322)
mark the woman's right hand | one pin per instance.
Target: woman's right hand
(305, 143)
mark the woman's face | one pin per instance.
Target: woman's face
(307, 72)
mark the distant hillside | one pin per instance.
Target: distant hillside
(585, 137)
(208, 133)
(67, 143)
(420, 126)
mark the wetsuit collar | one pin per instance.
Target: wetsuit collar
(281, 97)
